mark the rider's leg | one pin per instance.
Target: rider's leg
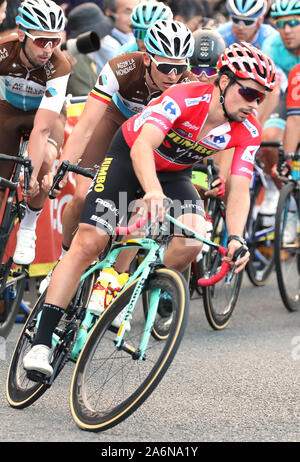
(86, 245)
(93, 157)
(183, 251)
(73, 209)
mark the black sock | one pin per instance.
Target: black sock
(49, 320)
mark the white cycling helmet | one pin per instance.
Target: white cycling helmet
(246, 8)
(147, 12)
(170, 39)
(42, 15)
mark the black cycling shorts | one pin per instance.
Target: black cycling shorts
(113, 194)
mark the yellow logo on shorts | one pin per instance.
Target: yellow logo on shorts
(101, 176)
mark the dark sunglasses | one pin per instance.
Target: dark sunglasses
(245, 22)
(139, 34)
(42, 41)
(167, 68)
(208, 71)
(290, 22)
(250, 94)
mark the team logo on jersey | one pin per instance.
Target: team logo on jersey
(102, 80)
(194, 101)
(50, 92)
(190, 126)
(251, 128)
(170, 109)
(249, 154)
(182, 150)
(218, 142)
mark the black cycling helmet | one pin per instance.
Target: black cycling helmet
(209, 45)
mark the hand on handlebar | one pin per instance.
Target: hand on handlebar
(155, 204)
(238, 255)
(48, 181)
(33, 188)
(285, 171)
(218, 188)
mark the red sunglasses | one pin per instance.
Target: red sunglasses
(250, 94)
(42, 41)
(208, 71)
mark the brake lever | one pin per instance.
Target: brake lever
(238, 254)
(58, 177)
(28, 168)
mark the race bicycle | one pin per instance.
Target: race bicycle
(13, 279)
(116, 369)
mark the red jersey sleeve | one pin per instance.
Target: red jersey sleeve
(247, 139)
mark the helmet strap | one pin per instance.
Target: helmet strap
(222, 100)
(148, 68)
(22, 44)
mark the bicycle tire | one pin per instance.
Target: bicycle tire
(287, 256)
(261, 261)
(161, 326)
(123, 397)
(11, 301)
(21, 391)
(220, 299)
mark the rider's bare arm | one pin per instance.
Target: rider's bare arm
(238, 204)
(291, 136)
(83, 130)
(43, 123)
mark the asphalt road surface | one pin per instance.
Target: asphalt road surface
(240, 384)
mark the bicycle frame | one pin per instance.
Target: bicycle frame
(258, 172)
(153, 259)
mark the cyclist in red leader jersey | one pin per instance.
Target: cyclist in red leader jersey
(154, 150)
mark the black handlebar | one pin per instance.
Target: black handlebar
(63, 169)
(28, 168)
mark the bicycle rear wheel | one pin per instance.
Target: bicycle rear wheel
(287, 249)
(24, 389)
(108, 383)
(20, 391)
(10, 300)
(220, 299)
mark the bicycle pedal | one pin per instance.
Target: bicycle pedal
(36, 376)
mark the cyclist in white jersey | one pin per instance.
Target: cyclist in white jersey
(33, 79)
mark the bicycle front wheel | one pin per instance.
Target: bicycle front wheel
(287, 247)
(260, 240)
(110, 383)
(220, 299)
